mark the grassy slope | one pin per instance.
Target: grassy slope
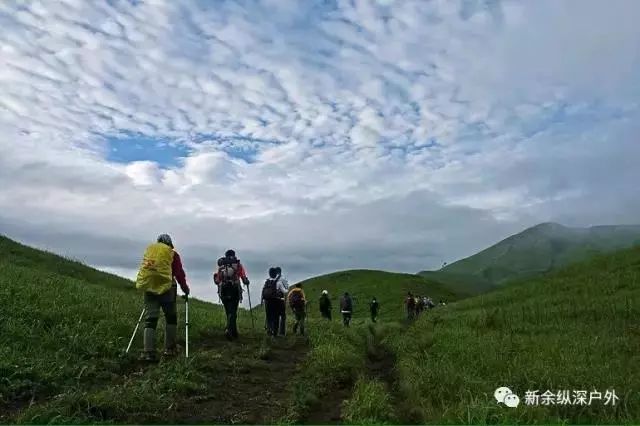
(63, 330)
(389, 288)
(536, 250)
(578, 328)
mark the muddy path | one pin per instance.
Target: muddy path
(248, 381)
(329, 409)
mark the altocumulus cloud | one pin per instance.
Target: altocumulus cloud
(319, 135)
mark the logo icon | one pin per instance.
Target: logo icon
(504, 396)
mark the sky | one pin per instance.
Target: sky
(314, 135)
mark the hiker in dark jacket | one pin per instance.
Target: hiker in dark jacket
(283, 288)
(346, 308)
(229, 277)
(271, 301)
(420, 306)
(410, 303)
(325, 305)
(374, 306)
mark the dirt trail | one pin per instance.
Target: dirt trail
(329, 409)
(248, 381)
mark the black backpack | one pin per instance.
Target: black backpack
(346, 304)
(324, 303)
(270, 289)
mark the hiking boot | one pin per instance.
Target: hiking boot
(170, 334)
(170, 352)
(149, 356)
(149, 340)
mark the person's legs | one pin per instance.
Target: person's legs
(272, 317)
(301, 315)
(282, 317)
(230, 309)
(233, 318)
(169, 308)
(296, 324)
(152, 309)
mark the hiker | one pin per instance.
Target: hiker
(325, 305)
(373, 307)
(273, 296)
(298, 304)
(270, 298)
(346, 308)
(410, 304)
(228, 278)
(419, 306)
(283, 288)
(430, 304)
(161, 268)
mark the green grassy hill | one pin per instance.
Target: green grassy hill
(575, 329)
(535, 251)
(389, 288)
(64, 327)
(63, 330)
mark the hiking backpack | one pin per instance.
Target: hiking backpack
(346, 304)
(270, 289)
(296, 301)
(228, 276)
(324, 303)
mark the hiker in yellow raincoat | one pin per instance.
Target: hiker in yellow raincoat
(161, 268)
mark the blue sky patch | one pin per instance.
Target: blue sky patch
(128, 147)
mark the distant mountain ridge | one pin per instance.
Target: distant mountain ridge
(536, 250)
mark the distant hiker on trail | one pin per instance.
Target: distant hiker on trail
(420, 306)
(273, 295)
(410, 303)
(161, 268)
(429, 303)
(325, 305)
(298, 304)
(283, 288)
(228, 278)
(374, 306)
(346, 308)
(271, 302)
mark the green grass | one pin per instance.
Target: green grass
(63, 331)
(575, 329)
(64, 327)
(370, 403)
(389, 288)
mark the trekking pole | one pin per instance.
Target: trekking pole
(186, 326)
(253, 323)
(135, 331)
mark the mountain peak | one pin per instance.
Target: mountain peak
(548, 226)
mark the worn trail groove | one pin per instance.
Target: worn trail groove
(380, 364)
